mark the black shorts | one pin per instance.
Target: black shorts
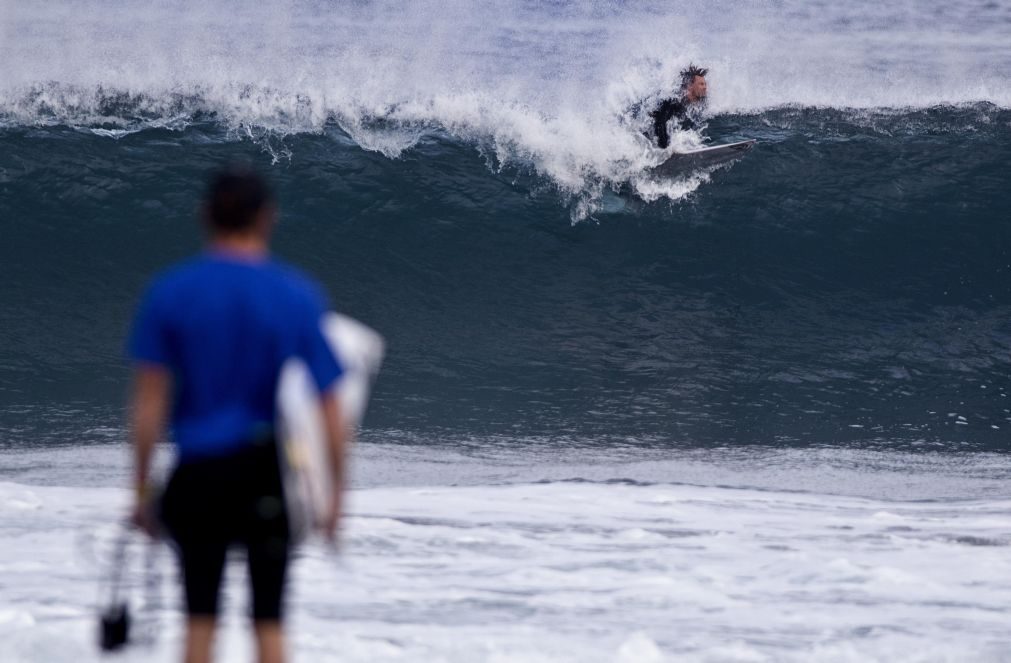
(211, 504)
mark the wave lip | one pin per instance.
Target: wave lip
(534, 86)
(584, 157)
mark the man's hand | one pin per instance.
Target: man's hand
(143, 516)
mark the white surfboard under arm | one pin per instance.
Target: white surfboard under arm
(303, 448)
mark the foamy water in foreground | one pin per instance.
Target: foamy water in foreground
(449, 557)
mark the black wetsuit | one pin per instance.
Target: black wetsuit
(670, 108)
(212, 503)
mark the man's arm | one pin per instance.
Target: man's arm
(661, 116)
(149, 411)
(338, 435)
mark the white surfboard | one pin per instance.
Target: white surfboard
(680, 162)
(305, 465)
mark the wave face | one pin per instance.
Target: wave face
(844, 284)
(847, 282)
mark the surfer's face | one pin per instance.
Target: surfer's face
(696, 90)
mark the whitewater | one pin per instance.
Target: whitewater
(548, 88)
(572, 561)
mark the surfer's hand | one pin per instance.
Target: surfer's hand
(142, 517)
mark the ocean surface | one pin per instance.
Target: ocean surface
(757, 412)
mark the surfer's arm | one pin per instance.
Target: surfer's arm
(661, 116)
(149, 410)
(337, 434)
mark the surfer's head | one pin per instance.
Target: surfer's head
(238, 202)
(693, 83)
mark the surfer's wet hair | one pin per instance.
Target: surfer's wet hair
(235, 197)
(688, 75)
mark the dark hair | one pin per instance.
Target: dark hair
(235, 196)
(688, 75)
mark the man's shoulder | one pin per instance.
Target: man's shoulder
(661, 106)
(668, 107)
(297, 284)
(293, 276)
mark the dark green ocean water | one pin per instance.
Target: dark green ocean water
(846, 284)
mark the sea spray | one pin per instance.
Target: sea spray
(545, 87)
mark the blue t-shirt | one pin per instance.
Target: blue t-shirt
(224, 325)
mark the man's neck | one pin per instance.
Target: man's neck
(243, 245)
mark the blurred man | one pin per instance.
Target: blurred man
(208, 344)
(688, 103)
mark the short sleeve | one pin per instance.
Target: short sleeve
(324, 366)
(149, 340)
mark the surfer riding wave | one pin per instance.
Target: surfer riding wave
(685, 107)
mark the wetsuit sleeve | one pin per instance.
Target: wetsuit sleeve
(150, 338)
(315, 349)
(661, 116)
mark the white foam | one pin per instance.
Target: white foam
(571, 571)
(547, 87)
